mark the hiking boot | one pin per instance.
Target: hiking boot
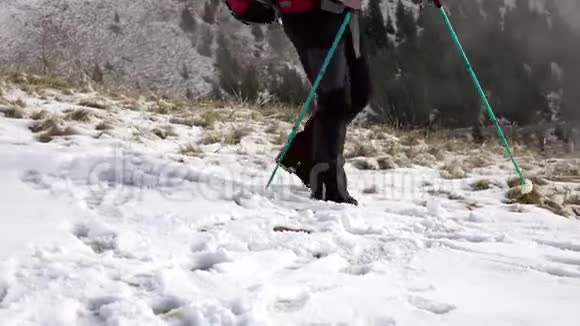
(298, 159)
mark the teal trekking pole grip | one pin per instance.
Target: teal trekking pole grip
(526, 185)
(312, 93)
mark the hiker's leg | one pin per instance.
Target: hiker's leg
(359, 78)
(312, 34)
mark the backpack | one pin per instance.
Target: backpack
(266, 11)
(252, 11)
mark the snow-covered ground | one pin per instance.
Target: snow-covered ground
(117, 228)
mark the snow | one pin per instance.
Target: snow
(114, 231)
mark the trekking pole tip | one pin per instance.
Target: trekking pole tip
(526, 187)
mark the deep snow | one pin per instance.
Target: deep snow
(110, 231)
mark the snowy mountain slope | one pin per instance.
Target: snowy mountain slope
(117, 223)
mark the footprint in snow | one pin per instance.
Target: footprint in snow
(563, 245)
(431, 306)
(166, 305)
(143, 282)
(574, 261)
(358, 270)
(292, 302)
(99, 239)
(3, 293)
(206, 261)
(95, 305)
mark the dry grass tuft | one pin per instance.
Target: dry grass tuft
(39, 115)
(36, 81)
(104, 125)
(412, 139)
(362, 149)
(536, 180)
(365, 164)
(386, 163)
(425, 159)
(185, 121)
(12, 112)
(481, 185)
(192, 150)
(164, 132)
(19, 103)
(453, 170)
(371, 190)
(95, 103)
(476, 162)
(80, 115)
(211, 138)
(207, 119)
(51, 127)
(573, 199)
(273, 128)
(533, 198)
(445, 193)
(281, 138)
(235, 136)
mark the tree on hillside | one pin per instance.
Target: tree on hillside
(374, 27)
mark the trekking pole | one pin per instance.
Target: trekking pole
(312, 93)
(525, 184)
